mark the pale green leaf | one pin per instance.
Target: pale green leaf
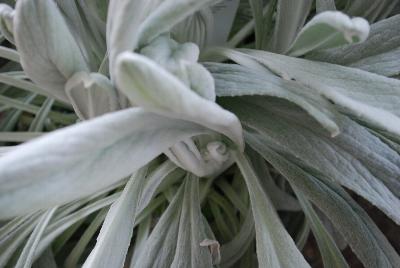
(366, 96)
(364, 237)
(290, 18)
(324, 5)
(7, 22)
(355, 158)
(49, 53)
(115, 234)
(91, 95)
(25, 260)
(275, 247)
(102, 151)
(9, 54)
(378, 54)
(150, 86)
(235, 80)
(331, 255)
(159, 248)
(189, 252)
(329, 29)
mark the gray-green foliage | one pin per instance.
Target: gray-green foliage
(180, 162)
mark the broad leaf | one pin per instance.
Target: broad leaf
(84, 158)
(7, 22)
(49, 53)
(329, 29)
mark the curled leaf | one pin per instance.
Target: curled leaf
(329, 29)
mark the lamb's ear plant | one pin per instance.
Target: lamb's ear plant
(134, 134)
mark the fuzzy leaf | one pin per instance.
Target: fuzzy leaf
(84, 158)
(366, 96)
(364, 237)
(290, 18)
(329, 29)
(355, 158)
(275, 247)
(151, 87)
(49, 53)
(91, 95)
(378, 54)
(235, 80)
(115, 234)
(189, 252)
(7, 22)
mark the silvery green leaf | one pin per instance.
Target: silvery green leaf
(73, 258)
(236, 80)
(181, 61)
(275, 247)
(377, 54)
(291, 16)
(324, 5)
(354, 91)
(159, 249)
(257, 7)
(59, 226)
(279, 198)
(14, 237)
(232, 251)
(189, 251)
(197, 28)
(84, 158)
(355, 158)
(166, 16)
(89, 35)
(7, 22)
(153, 88)
(115, 234)
(91, 95)
(370, 9)
(329, 29)
(9, 54)
(142, 233)
(28, 253)
(364, 237)
(49, 53)
(47, 260)
(383, 64)
(331, 255)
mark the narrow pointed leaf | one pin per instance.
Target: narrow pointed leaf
(364, 237)
(28, 253)
(115, 234)
(290, 18)
(275, 247)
